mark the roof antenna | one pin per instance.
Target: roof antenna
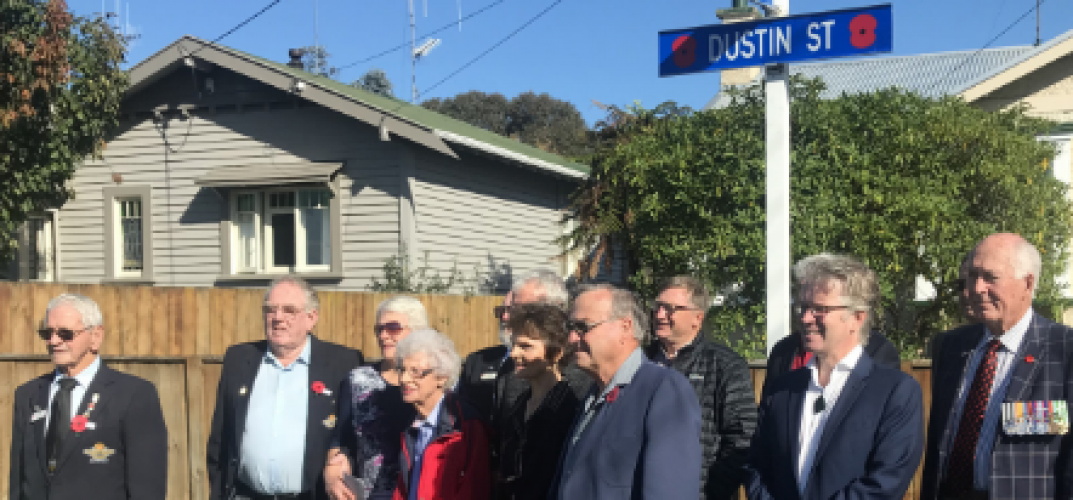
(1037, 23)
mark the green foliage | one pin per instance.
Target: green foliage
(536, 119)
(401, 277)
(62, 85)
(906, 183)
(375, 81)
(315, 60)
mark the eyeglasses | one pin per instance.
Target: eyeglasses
(65, 334)
(815, 309)
(670, 308)
(392, 327)
(500, 311)
(287, 310)
(582, 328)
(414, 373)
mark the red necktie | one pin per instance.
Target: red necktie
(959, 473)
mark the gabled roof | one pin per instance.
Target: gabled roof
(931, 75)
(399, 118)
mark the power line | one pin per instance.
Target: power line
(493, 47)
(403, 45)
(239, 26)
(981, 49)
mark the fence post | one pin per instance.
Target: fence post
(195, 444)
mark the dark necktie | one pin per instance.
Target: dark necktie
(59, 421)
(959, 475)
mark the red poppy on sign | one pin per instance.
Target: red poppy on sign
(78, 424)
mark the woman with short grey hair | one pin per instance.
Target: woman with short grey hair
(371, 412)
(447, 443)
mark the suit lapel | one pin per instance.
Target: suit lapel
(101, 384)
(795, 409)
(246, 376)
(856, 382)
(318, 405)
(1023, 375)
(37, 427)
(957, 356)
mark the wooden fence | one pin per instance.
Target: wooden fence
(175, 338)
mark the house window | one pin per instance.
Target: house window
(128, 233)
(38, 260)
(282, 231)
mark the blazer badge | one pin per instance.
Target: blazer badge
(99, 453)
(330, 421)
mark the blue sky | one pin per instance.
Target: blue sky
(580, 51)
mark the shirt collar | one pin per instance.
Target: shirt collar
(302, 358)
(83, 378)
(846, 364)
(625, 373)
(1013, 337)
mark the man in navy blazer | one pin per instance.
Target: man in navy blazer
(638, 432)
(1032, 357)
(843, 427)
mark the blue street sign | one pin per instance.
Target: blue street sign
(840, 33)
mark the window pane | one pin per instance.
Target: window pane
(247, 202)
(283, 244)
(247, 241)
(40, 265)
(314, 198)
(318, 236)
(130, 225)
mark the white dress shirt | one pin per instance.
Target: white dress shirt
(812, 424)
(77, 393)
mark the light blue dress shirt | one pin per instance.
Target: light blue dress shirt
(273, 444)
(79, 392)
(425, 429)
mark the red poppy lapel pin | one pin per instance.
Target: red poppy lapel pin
(318, 387)
(1030, 359)
(78, 423)
(81, 422)
(613, 395)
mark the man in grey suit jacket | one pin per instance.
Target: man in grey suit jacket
(1019, 360)
(638, 433)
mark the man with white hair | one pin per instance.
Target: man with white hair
(638, 434)
(1010, 367)
(275, 404)
(85, 430)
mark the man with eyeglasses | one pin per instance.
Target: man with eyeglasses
(720, 379)
(1008, 366)
(843, 426)
(276, 403)
(85, 430)
(638, 434)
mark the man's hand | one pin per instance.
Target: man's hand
(334, 470)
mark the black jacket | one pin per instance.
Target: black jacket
(329, 363)
(724, 387)
(882, 352)
(529, 450)
(477, 383)
(124, 456)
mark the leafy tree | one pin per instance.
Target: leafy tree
(62, 87)
(908, 184)
(375, 81)
(315, 60)
(535, 119)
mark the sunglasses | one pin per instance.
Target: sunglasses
(392, 327)
(287, 310)
(499, 311)
(64, 334)
(582, 328)
(414, 373)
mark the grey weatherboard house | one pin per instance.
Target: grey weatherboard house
(230, 170)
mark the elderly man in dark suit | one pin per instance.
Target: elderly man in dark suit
(85, 430)
(1010, 368)
(638, 432)
(843, 427)
(275, 405)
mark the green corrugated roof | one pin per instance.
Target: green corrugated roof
(417, 114)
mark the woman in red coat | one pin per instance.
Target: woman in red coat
(445, 454)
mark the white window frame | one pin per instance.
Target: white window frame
(265, 233)
(113, 234)
(29, 248)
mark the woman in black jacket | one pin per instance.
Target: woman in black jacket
(536, 428)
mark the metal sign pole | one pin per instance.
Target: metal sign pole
(777, 226)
